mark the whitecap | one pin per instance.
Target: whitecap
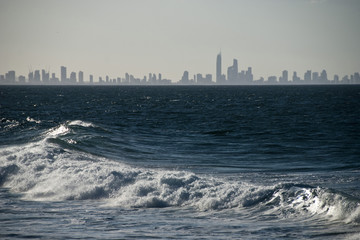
(81, 123)
(29, 119)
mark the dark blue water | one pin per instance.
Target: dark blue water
(214, 162)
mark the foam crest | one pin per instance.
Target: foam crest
(42, 171)
(8, 124)
(81, 123)
(58, 131)
(29, 119)
(300, 200)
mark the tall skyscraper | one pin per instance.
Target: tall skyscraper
(37, 76)
(233, 73)
(81, 77)
(323, 77)
(218, 69)
(73, 77)
(249, 76)
(63, 74)
(307, 76)
(284, 77)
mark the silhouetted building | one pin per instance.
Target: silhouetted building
(284, 77)
(63, 76)
(336, 78)
(81, 77)
(295, 78)
(73, 77)
(345, 80)
(10, 77)
(323, 77)
(233, 72)
(199, 79)
(91, 78)
(45, 76)
(249, 76)
(307, 76)
(242, 77)
(219, 79)
(37, 76)
(185, 78)
(356, 78)
(21, 79)
(272, 80)
(31, 77)
(54, 79)
(315, 77)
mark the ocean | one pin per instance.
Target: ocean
(180, 162)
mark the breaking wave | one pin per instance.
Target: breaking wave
(44, 171)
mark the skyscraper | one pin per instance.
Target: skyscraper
(233, 73)
(285, 77)
(81, 77)
(218, 69)
(63, 74)
(307, 76)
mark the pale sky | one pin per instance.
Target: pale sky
(112, 37)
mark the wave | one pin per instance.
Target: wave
(81, 123)
(7, 124)
(29, 119)
(43, 171)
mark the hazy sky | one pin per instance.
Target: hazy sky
(169, 36)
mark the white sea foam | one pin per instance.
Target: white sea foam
(42, 171)
(81, 123)
(29, 119)
(58, 131)
(9, 124)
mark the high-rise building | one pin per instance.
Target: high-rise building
(73, 77)
(63, 74)
(81, 77)
(315, 77)
(284, 77)
(295, 78)
(31, 77)
(185, 78)
(249, 76)
(233, 73)
(21, 79)
(307, 76)
(37, 76)
(323, 77)
(54, 79)
(45, 76)
(357, 78)
(10, 77)
(91, 78)
(219, 78)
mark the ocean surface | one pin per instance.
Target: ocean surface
(180, 162)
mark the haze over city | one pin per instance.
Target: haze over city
(171, 36)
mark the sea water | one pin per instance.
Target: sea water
(180, 162)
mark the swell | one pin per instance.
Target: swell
(46, 171)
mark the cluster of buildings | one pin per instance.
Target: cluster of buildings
(36, 77)
(234, 76)
(246, 77)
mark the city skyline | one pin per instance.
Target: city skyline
(234, 76)
(138, 36)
